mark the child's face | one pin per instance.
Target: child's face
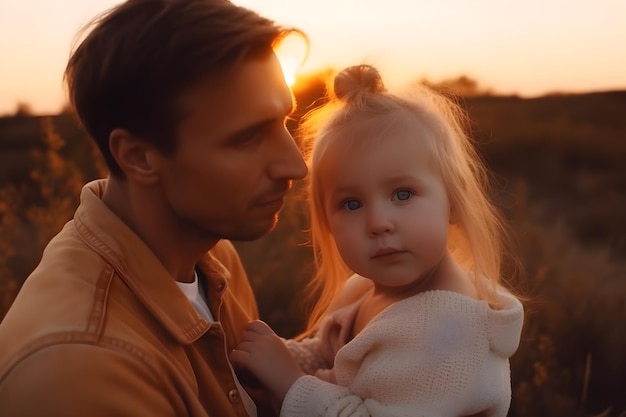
(387, 208)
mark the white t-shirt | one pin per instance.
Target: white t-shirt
(192, 292)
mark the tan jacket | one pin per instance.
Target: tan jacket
(100, 328)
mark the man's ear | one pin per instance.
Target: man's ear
(134, 155)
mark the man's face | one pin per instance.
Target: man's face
(235, 159)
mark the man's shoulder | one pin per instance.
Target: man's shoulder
(52, 306)
(64, 300)
(81, 379)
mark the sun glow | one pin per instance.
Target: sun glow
(292, 52)
(290, 69)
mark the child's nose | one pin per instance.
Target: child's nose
(379, 222)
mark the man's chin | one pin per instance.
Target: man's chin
(253, 232)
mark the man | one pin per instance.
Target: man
(139, 299)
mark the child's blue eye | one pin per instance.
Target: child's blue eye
(403, 195)
(352, 205)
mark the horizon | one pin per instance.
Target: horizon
(530, 50)
(487, 94)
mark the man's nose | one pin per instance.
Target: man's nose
(289, 163)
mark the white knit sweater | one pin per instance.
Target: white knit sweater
(435, 354)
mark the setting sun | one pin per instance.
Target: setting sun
(290, 69)
(292, 53)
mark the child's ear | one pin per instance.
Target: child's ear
(134, 156)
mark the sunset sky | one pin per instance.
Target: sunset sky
(530, 48)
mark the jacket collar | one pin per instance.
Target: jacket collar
(139, 268)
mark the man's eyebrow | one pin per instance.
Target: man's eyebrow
(253, 128)
(265, 122)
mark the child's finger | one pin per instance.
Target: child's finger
(239, 357)
(251, 335)
(245, 346)
(260, 327)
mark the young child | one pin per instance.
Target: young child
(424, 326)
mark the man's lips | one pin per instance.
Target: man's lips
(272, 200)
(274, 196)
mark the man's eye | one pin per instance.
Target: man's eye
(403, 195)
(248, 137)
(254, 134)
(351, 205)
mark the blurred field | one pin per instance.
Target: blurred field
(559, 176)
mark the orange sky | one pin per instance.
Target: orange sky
(531, 48)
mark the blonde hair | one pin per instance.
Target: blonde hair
(475, 237)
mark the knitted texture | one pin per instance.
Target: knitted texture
(437, 353)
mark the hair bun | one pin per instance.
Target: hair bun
(358, 79)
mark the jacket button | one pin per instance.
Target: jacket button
(233, 395)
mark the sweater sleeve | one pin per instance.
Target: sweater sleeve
(316, 354)
(310, 396)
(308, 354)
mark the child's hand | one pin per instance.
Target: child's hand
(264, 354)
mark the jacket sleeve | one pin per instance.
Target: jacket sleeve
(77, 380)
